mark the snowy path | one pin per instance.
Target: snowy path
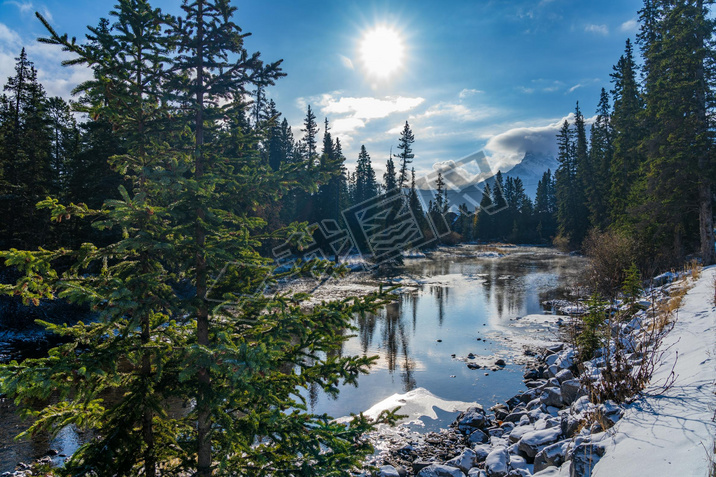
(672, 434)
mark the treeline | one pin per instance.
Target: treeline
(647, 170)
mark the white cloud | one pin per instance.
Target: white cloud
(600, 29)
(346, 62)
(467, 92)
(508, 148)
(368, 107)
(575, 87)
(343, 126)
(24, 7)
(526, 90)
(57, 80)
(629, 25)
(459, 112)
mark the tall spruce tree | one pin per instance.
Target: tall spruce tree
(600, 159)
(191, 209)
(405, 156)
(676, 40)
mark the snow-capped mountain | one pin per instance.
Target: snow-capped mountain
(531, 169)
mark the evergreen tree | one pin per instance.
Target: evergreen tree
(584, 176)
(390, 181)
(405, 155)
(365, 182)
(566, 183)
(676, 40)
(310, 131)
(192, 208)
(627, 133)
(484, 230)
(600, 159)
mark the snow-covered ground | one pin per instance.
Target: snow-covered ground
(672, 433)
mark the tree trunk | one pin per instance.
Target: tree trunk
(202, 318)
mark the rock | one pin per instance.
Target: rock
(532, 374)
(496, 464)
(471, 419)
(571, 390)
(518, 432)
(582, 404)
(481, 452)
(388, 471)
(473, 365)
(552, 455)
(507, 427)
(478, 437)
(500, 362)
(551, 396)
(515, 416)
(465, 461)
(555, 348)
(569, 425)
(518, 462)
(609, 413)
(475, 472)
(419, 465)
(584, 458)
(537, 383)
(514, 401)
(439, 470)
(470, 356)
(495, 431)
(501, 411)
(533, 442)
(551, 359)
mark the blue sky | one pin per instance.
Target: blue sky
(498, 76)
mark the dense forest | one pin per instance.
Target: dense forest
(173, 160)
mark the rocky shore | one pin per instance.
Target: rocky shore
(553, 428)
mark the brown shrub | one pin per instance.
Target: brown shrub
(611, 253)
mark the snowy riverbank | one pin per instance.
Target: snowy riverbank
(554, 430)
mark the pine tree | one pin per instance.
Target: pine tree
(676, 40)
(583, 176)
(627, 133)
(600, 158)
(566, 183)
(484, 228)
(310, 131)
(390, 181)
(191, 209)
(405, 155)
(366, 185)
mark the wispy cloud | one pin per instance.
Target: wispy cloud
(25, 7)
(346, 62)
(368, 107)
(575, 88)
(599, 29)
(629, 26)
(467, 92)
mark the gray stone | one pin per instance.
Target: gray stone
(569, 425)
(518, 432)
(419, 465)
(475, 472)
(515, 416)
(439, 470)
(609, 413)
(551, 397)
(552, 455)
(571, 390)
(518, 462)
(532, 374)
(388, 471)
(478, 437)
(465, 461)
(508, 427)
(497, 463)
(471, 419)
(481, 452)
(584, 458)
(533, 442)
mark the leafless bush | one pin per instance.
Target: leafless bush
(611, 254)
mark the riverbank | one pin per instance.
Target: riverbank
(554, 430)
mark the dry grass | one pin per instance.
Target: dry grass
(693, 269)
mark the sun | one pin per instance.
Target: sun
(381, 51)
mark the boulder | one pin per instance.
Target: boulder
(571, 390)
(465, 461)
(419, 465)
(508, 427)
(582, 404)
(569, 424)
(609, 413)
(515, 416)
(552, 455)
(497, 463)
(517, 462)
(533, 442)
(564, 375)
(388, 471)
(475, 472)
(481, 452)
(520, 431)
(478, 437)
(551, 397)
(584, 458)
(532, 374)
(440, 470)
(471, 419)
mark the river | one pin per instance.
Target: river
(457, 306)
